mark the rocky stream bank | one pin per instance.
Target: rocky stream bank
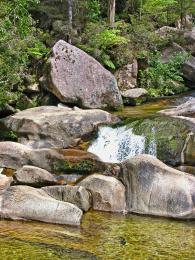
(48, 175)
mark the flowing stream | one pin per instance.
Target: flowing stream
(144, 132)
(106, 236)
(118, 144)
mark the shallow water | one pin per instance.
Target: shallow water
(152, 107)
(101, 236)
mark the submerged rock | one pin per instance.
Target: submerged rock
(76, 195)
(58, 161)
(50, 126)
(153, 188)
(77, 78)
(108, 193)
(33, 176)
(27, 203)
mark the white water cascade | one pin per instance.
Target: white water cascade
(118, 144)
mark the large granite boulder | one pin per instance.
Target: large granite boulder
(77, 78)
(153, 188)
(33, 176)
(50, 126)
(108, 193)
(27, 203)
(76, 195)
(58, 161)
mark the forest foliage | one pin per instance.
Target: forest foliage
(133, 35)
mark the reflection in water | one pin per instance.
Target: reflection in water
(101, 236)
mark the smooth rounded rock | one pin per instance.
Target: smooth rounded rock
(33, 176)
(153, 188)
(27, 203)
(78, 196)
(108, 193)
(50, 126)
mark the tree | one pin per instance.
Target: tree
(70, 19)
(111, 12)
(17, 37)
(184, 8)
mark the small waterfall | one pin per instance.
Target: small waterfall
(118, 144)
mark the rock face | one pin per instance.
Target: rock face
(186, 114)
(127, 76)
(156, 189)
(188, 69)
(33, 176)
(190, 40)
(164, 137)
(78, 196)
(58, 161)
(172, 51)
(49, 126)
(166, 31)
(108, 193)
(76, 78)
(134, 96)
(23, 202)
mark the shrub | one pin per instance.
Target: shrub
(99, 41)
(163, 78)
(18, 43)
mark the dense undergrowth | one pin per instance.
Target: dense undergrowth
(24, 46)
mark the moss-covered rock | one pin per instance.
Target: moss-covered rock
(169, 135)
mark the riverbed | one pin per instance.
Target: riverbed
(104, 235)
(101, 236)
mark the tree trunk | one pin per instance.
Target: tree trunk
(111, 12)
(70, 18)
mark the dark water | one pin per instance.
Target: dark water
(101, 236)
